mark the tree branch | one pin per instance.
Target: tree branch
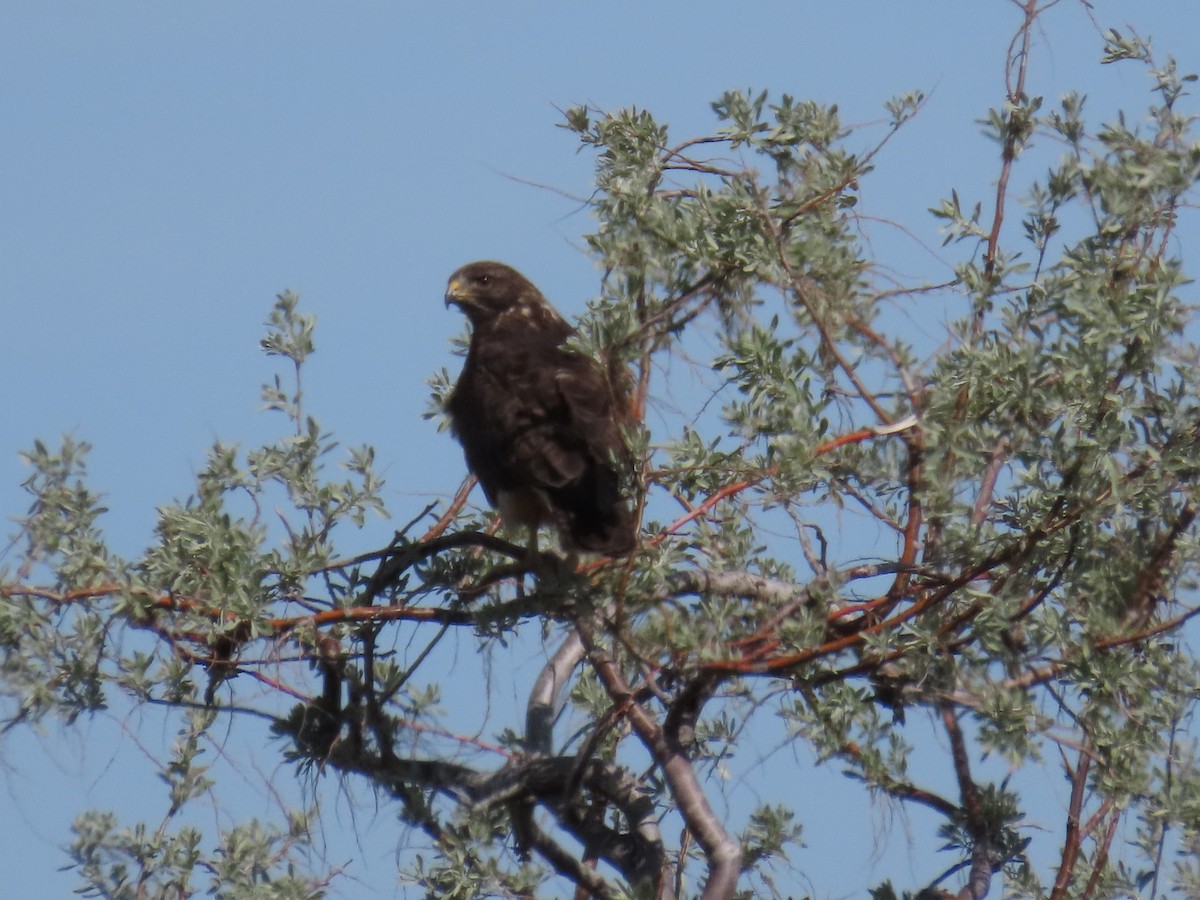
(723, 853)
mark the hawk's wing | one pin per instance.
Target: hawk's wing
(589, 504)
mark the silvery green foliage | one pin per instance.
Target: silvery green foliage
(862, 548)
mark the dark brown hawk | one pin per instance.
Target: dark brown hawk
(539, 423)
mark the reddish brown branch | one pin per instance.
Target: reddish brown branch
(455, 507)
(1100, 862)
(1072, 840)
(696, 512)
(987, 484)
(712, 500)
(1150, 580)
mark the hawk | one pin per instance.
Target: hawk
(538, 422)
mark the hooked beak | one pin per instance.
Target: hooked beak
(456, 292)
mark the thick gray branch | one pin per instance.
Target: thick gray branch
(723, 852)
(544, 698)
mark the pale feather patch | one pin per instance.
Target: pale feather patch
(522, 509)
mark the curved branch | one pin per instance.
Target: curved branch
(544, 697)
(638, 854)
(722, 851)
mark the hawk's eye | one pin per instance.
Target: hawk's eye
(484, 279)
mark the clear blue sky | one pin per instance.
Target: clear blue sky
(167, 168)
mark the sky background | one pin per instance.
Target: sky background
(167, 168)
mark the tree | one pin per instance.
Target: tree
(861, 551)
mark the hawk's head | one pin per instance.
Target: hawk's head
(491, 291)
